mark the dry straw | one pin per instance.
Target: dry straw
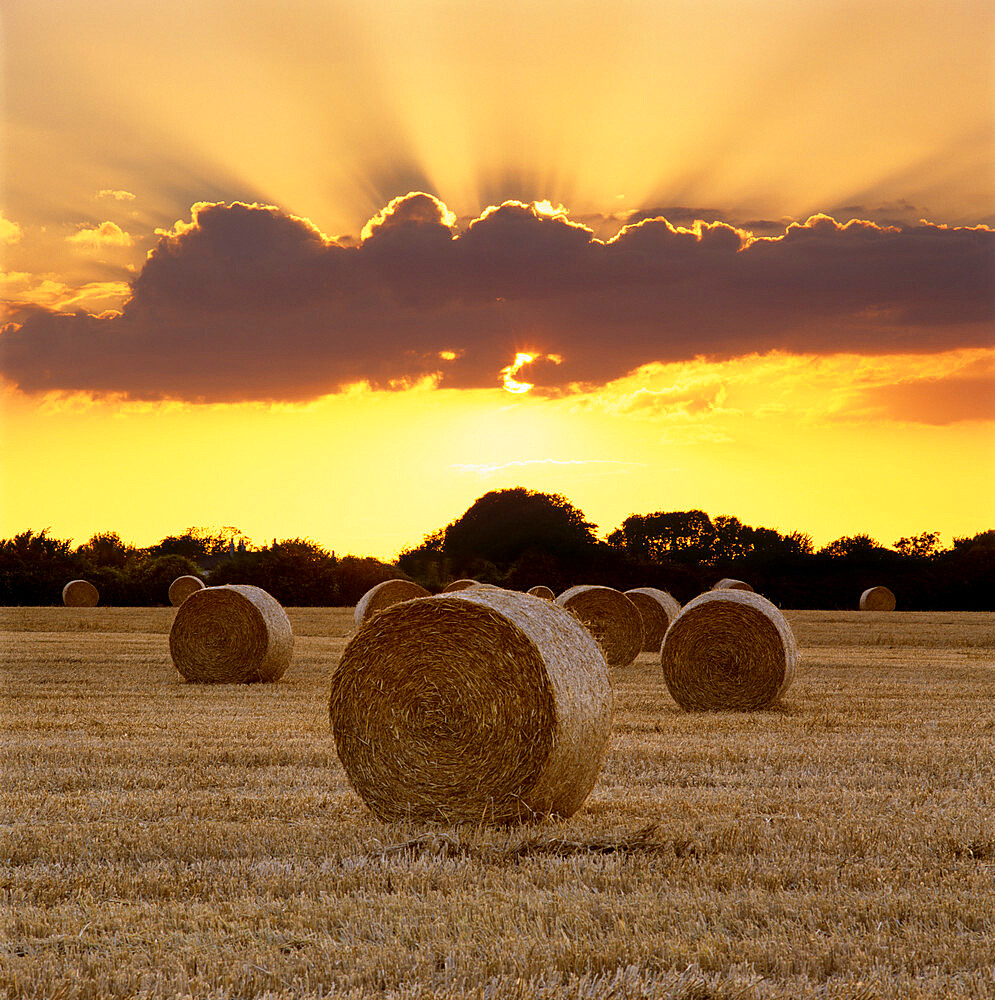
(658, 609)
(182, 587)
(541, 591)
(728, 650)
(729, 584)
(877, 599)
(80, 594)
(482, 706)
(383, 595)
(610, 617)
(235, 634)
(458, 585)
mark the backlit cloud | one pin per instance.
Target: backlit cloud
(247, 302)
(107, 234)
(10, 231)
(115, 195)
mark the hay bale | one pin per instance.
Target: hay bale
(235, 634)
(458, 585)
(657, 609)
(877, 599)
(544, 592)
(610, 617)
(383, 595)
(182, 587)
(481, 706)
(728, 584)
(80, 594)
(728, 650)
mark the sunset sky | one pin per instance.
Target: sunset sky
(279, 266)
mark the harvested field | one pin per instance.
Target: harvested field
(165, 839)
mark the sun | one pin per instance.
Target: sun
(508, 374)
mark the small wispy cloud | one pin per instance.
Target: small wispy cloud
(116, 195)
(488, 470)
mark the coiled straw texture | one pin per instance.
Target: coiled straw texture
(482, 706)
(726, 583)
(182, 587)
(542, 591)
(610, 617)
(657, 610)
(728, 650)
(383, 595)
(235, 634)
(877, 599)
(80, 594)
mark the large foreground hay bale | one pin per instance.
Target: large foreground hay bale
(657, 609)
(80, 594)
(481, 706)
(730, 650)
(610, 617)
(182, 587)
(235, 634)
(726, 583)
(542, 591)
(383, 595)
(458, 585)
(877, 599)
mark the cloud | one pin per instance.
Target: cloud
(246, 302)
(10, 232)
(116, 195)
(107, 234)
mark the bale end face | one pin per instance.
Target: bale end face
(235, 634)
(657, 609)
(481, 706)
(383, 595)
(877, 599)
(182, 587)
(727, 583)
(728, 650)
(610, 617)
(80, 594)
(542, 591)
(458, 585)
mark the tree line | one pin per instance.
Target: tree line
(518, 538)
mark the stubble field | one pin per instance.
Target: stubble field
(161, 839)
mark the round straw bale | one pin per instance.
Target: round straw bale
(182, 587)
(457, 585)
(658, 609)
(728, 584)
(728, 649)
(235, 634)
(541, 591)
(877, 599)
(481, 706)
(383, 595)
(610, 617)
(80, 594)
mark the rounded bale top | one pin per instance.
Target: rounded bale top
(540, 590)
(726, 583)
(728, 650)
(657, 609)
(457, 585)
(481, 706)
(234, 634)
(877, 599)
(182, 587)
(383, 595)
(610, 617)
(80, 594)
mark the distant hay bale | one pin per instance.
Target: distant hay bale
(182, 587)
(383, 595)
(235, 634)
(458, 585)
(658, 609)
(481, 706)
(877, 599)
(728, 650)
(541, 591)
(613, 620)
(728, 584)
(80, 594)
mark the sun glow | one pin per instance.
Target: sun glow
(508, 374)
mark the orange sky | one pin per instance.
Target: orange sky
(282, 370)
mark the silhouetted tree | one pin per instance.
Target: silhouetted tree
(922, 546)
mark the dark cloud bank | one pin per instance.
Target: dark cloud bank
(248, 303)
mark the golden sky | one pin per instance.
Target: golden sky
(227, 306)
